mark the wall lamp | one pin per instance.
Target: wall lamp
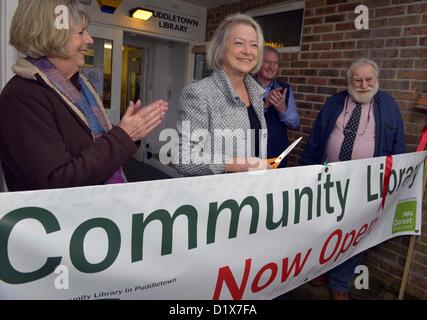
(141, 14)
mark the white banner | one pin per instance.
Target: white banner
(234, 236)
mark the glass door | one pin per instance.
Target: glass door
(134, 76)
(103, 67)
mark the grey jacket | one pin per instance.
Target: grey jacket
(214, 127)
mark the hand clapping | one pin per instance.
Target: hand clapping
(277, 99)
(139, 121)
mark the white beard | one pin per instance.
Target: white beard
(363, 97)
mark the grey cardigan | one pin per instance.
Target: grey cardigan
(210, 113)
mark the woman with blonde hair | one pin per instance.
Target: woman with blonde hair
(226, 107)
(54, 132)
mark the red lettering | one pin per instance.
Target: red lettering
(225, 275)
(372, 224)
(337, 233)
(361, 232)
(350, 239)
(295, 264)
(273, 267)
(344, 248)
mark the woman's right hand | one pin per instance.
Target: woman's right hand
(139, 121)
(246, 164)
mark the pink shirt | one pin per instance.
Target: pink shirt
(364, 145)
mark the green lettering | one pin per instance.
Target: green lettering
(298, 198)
(8, 273)
(371, 197)
(139, 225)
(393, 174)
(235, 210)
(270, 224)
(417, 167)
(342, 197)
(77, 254)
(327, 186)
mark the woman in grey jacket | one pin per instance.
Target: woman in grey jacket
(221, 122)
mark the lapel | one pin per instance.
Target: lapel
(255, 92)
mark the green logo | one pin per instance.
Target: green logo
(405, 216)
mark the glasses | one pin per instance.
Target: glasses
(359, 81)
(271, 63)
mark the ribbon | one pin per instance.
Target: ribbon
(423, 140)
(387, 175)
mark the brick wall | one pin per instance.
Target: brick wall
(397, 41)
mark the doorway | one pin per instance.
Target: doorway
(134, 75)
(152, 69)
(102, 67)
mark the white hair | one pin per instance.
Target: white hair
(362, 62)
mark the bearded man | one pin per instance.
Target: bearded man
(360, 122)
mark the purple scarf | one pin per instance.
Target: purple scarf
(84, 100)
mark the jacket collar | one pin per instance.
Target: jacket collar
(223, 82)
(27, 70)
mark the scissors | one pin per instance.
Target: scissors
(275, 162)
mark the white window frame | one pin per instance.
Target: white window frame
(116, 36)
(8, 54)
(279, 8)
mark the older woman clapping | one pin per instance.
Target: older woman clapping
(54, 132)
(224, 109)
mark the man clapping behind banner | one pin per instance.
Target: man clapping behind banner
(358, 123)
(280, 110)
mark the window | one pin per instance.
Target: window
(281, 25)
(200, 68)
